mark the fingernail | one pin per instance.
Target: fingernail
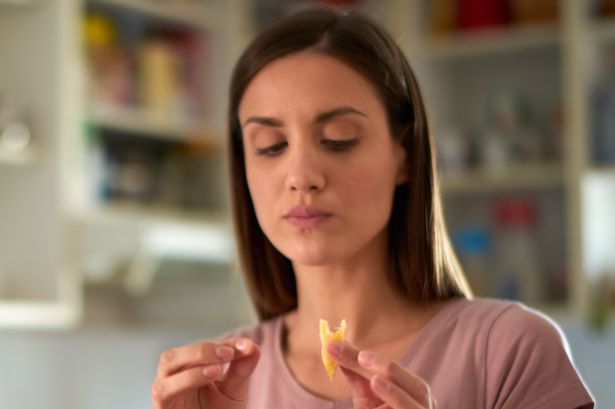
(212, 371)
(334, 348)
(242, 344)
(366, 358)
(223, 352)
(381, 384)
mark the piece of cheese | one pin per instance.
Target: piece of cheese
(325, 336)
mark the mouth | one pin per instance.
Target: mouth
(307, 222)
(307, 217)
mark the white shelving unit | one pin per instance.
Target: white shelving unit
(138, 121)
(51, 210)
(561, 49)
(157, 232)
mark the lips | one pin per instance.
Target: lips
(306, 216)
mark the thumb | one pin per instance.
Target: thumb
(235, 384)
(362, 394)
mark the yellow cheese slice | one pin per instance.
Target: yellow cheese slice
(325, 336)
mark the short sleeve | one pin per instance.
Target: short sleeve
(529, 364)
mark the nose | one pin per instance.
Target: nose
(305, 170)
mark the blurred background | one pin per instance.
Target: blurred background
(115, 230)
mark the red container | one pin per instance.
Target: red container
(475, 14)
(516, 212)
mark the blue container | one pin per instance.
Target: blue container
(603, 125)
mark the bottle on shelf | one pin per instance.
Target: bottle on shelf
(511, 136)
(481, 14)
(474, 247)
(109, 65)
(518, 271)
(603, 126)
(447, 16)
(533, 12)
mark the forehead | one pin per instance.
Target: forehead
(307, 81)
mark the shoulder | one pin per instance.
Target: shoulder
(260, 333)
(510, 330)
(508, 319)
(526, 358)
(514, 323)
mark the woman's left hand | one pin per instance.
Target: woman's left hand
(378, 383)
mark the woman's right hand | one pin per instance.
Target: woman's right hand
(195, 376)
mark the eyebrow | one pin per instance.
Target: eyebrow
(320, 118)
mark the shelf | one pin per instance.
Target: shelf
(533, 176)
(603, 29)
(603, 170)
(170, 233)
(556, 311)
(31, 314)
(182, 12)
(486, 42)
(23, 158)
(153, 216)
(15, 2)
(156, 235)
(138, 121)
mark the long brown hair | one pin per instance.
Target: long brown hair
(425, 267)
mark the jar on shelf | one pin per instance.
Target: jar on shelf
(517, 269)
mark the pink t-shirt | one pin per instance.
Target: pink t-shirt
(474, 354)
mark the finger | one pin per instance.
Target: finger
(362, 394)
(358, 378)
(235, 384)
(198, 354)
(165, 389)
(393, 395)
(346, 355)
(411, 383)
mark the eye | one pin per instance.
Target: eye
(271, 150)
(340, 145)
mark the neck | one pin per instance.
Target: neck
(356, 290)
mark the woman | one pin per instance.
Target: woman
(338, 216)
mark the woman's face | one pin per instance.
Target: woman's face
(316, 135)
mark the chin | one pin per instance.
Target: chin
(314, 255)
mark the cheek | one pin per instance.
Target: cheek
(262, 187)
(369, 186)
(372, 174)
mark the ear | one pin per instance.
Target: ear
(402, 176)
